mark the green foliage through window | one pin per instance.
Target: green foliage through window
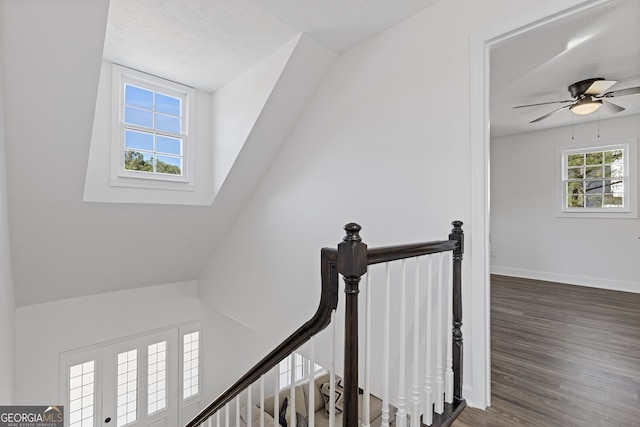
(136, 161)
(594, 179)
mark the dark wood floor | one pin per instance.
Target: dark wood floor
(561, 355)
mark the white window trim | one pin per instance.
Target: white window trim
(135, 179)
(194, 398)
(630, 210)
(306, 370)
(96, 352)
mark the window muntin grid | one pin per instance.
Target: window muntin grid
(191, 360)
(127, 388)
(82, 394)
(595, 179)
(157, 377)
(153, 131)
(296, 364)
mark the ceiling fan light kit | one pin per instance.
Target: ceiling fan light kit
(586, 106)
(587, 98)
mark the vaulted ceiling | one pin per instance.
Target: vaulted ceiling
(51, 55)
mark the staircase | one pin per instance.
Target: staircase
(406, 355)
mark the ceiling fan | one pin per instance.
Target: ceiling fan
(588, 98)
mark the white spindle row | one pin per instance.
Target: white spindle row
(430, 317)
(422, 342)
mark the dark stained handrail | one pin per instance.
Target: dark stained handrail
(319, 321)
(351, 259)
(394, 253)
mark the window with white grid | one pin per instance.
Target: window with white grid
(297, 366)
(157, 377)
(151, 127)
(82, 394)
(598, 180)
(191, 361)
(127, 400)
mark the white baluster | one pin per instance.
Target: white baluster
(226, 414)
(249, 417)
(439, 384)
(312, 382)
(262, 401)
(210, 422)
(218, 418)
(448, 379)
(366, 403)
(237, 398)
(415, 398)
(292, 394)
(276, 394)
(385, 350)
(401, 415)
(428, 369)
(332, 373)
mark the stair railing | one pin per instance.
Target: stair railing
(351, 260)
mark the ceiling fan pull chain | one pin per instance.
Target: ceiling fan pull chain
(572, 113)
(598, 123)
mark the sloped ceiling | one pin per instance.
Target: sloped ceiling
(538, 66)
(51, 54)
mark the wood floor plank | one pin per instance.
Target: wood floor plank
(562, 355)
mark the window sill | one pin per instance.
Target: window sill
(594, 214)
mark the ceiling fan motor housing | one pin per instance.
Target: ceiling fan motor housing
(578, 89)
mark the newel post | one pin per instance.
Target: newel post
(457, 234)
(352, 264)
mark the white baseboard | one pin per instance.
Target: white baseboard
(467, 394)
(592, 282)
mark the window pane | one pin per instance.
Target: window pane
(169, 164)
(138, 140)
(575, 187)
(138, 97)
(135, 116)
(168, 105)
(594, 158)
(594, 201)
(127, 376)
(594, 171)
(593, 187)
(167, 123)
(612, 156)
(81, 394)
(190, 368)
(137, 161)
(613, 201)
(575, 201)
(575, 159)
(574, 173)
(156, 369)
(169, 145)
(617, 186)
(617, 170)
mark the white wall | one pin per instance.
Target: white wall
(43, 331)
(7, 300)
(527, 237)
(386, 143)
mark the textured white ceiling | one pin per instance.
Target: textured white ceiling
(201, 43)
(206, 43)
(537, 66)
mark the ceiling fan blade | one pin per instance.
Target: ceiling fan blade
(621, 92)
(551, 113)
(545, 103)
(611, 108)
(599, 86)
